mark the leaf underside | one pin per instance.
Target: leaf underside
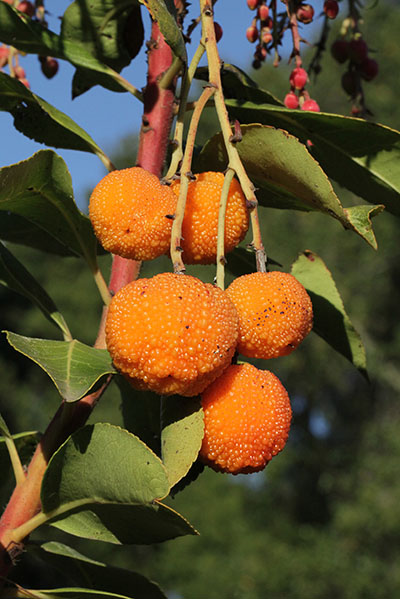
(331, 321)
(74, 367)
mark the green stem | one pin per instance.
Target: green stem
(169, 76)
(15, 460)
(176, 233)
(126, 85)
(21, 532)
(221, 261)
(105, 159)
(234, 160)
(102, 286)
(177, 154)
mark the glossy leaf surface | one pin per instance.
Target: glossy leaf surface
(104, 483)
(36, 194)
(73, 366)
(331, 321)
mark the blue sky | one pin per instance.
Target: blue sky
(105, 115)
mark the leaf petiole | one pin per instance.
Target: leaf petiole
(13, 453)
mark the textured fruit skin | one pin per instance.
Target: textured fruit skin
(350, 83)
(369, 69)
(305, 13)
(171, 333)
(252, 34)
(131, 213)
(275, 313)
(298, 78)
(49, 66)
(218, 31)
(331, 8)
(247, 417)
(26, 7)
(252, 4)
(291, 101)
(311, 105)
(358, 50)
(263, 12)
(200, 222)
(340, 50)
(19, 72)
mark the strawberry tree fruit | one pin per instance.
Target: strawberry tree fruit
(340, 50)
(331, 8)
(298, 78)
(291, 100)
(369, 69)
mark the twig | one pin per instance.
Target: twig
(221, 261)
(178, 134)
(176, 233)
(234, 161)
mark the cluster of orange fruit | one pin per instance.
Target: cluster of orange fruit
(174, 334)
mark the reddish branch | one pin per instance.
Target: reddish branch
(294, 26)
(158, 112)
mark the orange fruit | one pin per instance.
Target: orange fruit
(247, 417)
(131, 211)
(275, 313)
(171, 333)
(200, 222)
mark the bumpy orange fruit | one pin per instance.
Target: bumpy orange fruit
(200, 222)
(171, 333)
(131, 213)
(247, 418)
(275, 313)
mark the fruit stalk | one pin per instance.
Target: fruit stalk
(25, 500)
(234, 160)
(176, 251)
(294, 27)
(187, 79)
(221, 261)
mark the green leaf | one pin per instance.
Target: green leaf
(104, 483)
(39, 120)
(39, 191)
(286, 175)
(141, 413)
(106, 464)
(331, 321)
(361, 156)
(79, 569)
(74, 368)
(29, 36)
(360, 218)
(163, 11)
(182, 435)
(111, 31)
(125, 524)
(15, 276)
